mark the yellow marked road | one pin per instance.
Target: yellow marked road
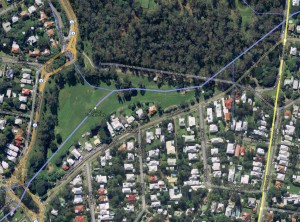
(269, 161)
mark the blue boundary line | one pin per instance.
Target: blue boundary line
(262, 13)
(152, 90)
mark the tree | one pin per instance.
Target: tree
(58, 138)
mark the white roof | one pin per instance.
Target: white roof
(31, 9)
(245, 179)
(101, 179)
(192, 121)
(4, 165)
(76, 153)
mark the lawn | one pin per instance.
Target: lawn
(148, 4)
(246, 12)
(74, 104)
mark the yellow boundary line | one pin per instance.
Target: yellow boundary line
(265, 184)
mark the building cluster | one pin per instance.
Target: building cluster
(21, 97)
(78, 199)
(32, 36)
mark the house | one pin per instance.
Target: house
(1, 98)
(130, 156)
(128, 166)
(76, 181)
(189, 138)
(228, 211)
(174, 194)
(6, 26)
(181, 122)
(77, 190)
(46, 52)
(298, 29)
(192, 156)
(31, 9)
(4, 165)
(213, 128)
(26, 92)
(24, 14)
(170, 127)
(102, 191)
(216, 140)
(230, 148)
(140, 113)
(155, 204)
(295, 84)
(116, 124)
(31, 40)
(295, 2)
(171, 161)
(245, 179)
(238, 126)
(131, 198)
(50, 32)
(78, 209)
(190, 149)
(280, 177)
(291, 27)
(191, 121)
(149, 136)
(242, 151)
(87, 146)
(152, 179)
(152, 110)
(101, 179)
(237, 150)
(260, 151)
(157, 132)
(79, 219)
(77, 199)
(170, 147)
(65, 166)
(76, 154)
(38, 2)
(23, 106)
(153, 153)
(228, 103)
(70, 161)
(23, 99)
(15, 48)
(209, 117)
(214, 151)
(14, 19)
(293, 51)
(130, 177)
(54, 212)
(2, 123)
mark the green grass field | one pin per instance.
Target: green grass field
(246, 12)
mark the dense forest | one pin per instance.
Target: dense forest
(194, 37)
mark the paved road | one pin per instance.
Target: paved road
(275, 122)
(14, 114)
(90, 198)
(141, 169)
(203, 145)
(9, 8)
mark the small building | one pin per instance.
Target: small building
(213, 128)
(76, 154)
(230, 149)
(31, 9)
(192, 121)
(15, 48)
(152, 110)
(295, 2)
(170, 147)
(14, 19)
(6, 26)
(293, 51)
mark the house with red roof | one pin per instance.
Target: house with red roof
(65, 167)
(26, 92)
(79, 219)
(101, 191)
(228, 103)
(131, 198)
(153, 179)
(242, 151)
(79, 209)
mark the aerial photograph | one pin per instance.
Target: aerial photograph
(150, 110)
